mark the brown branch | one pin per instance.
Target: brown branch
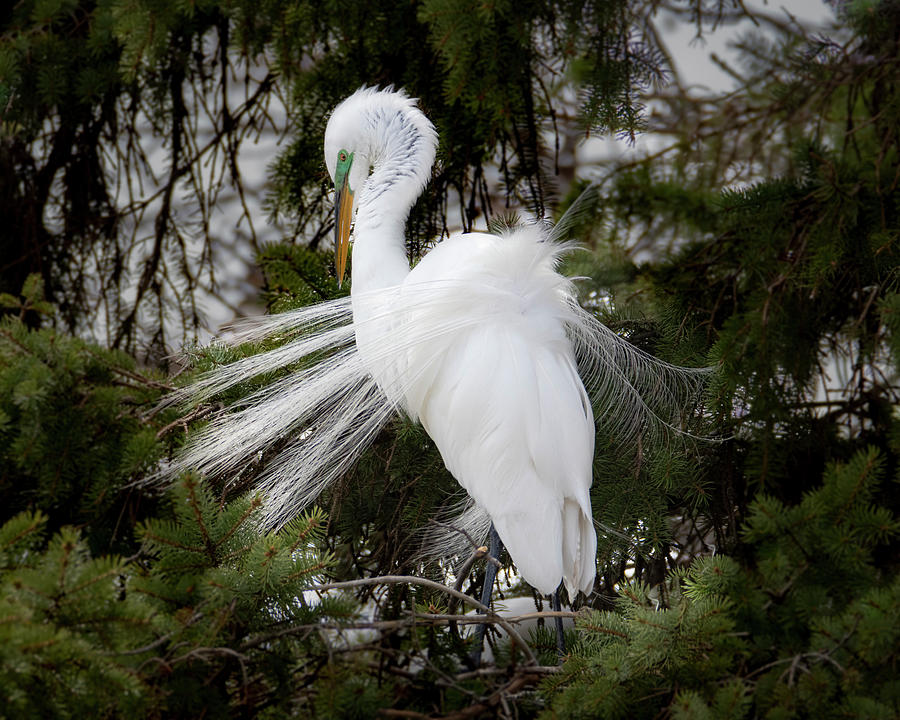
(198, 412)
(495, 698)
(423, 582)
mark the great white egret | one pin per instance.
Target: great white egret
(481, 342)
(500, 397)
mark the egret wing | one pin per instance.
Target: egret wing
(501, 397)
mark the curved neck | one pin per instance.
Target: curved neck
(401, 152)
(379, 238)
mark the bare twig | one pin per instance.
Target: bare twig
(412, 580)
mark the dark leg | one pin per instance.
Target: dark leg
(490, 574)
(560, 634)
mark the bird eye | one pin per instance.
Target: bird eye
(343, 157)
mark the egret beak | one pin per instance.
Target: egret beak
(343, 214)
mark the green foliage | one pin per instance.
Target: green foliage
(803, 628)
(32, 298)
(72, 432)
(203, 619)
(297, 276)
(80, 76)
(214, 556)
(789, 286)
(629, 661)
(231, 598)
(754, 576)
(66, 621)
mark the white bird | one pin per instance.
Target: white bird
(481, 342)
(500, 394)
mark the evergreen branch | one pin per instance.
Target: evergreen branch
(236, 553)
(205, 652)
(253, 505)
(306, 571)
(606, 631)
(433, 585)
(15, 619)
(311, 527)
(15, 341)
(871, 462)
(109, 619)
(31, 647)
(147, 533)
(162, 661)
(411, 621)
(137, 377)
(819, 654)
(222, 616)
(391, 712)
(159, 641)
(489, 671)
(198, 514)
(779, 594)
(37, 519)
(68, 546)
(114, 570)
(527, 674)
(308, 628)
(494, 699)
(480, 619)
(197, 413)
(790, 533)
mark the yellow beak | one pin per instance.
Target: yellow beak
(343, 213)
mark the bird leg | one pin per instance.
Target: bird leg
(560, 634)
(495, 547)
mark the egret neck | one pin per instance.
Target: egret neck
(381, 148)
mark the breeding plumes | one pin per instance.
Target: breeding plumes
(483, 342)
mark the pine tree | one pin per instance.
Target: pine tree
(752, 575)
(783, 280)
(209, 617)
(82, 85)
(802, 627)
(73, 428)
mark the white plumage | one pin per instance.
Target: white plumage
(481, 342)
(497, 389)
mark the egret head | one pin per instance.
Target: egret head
(376, 129)
(347, 157)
